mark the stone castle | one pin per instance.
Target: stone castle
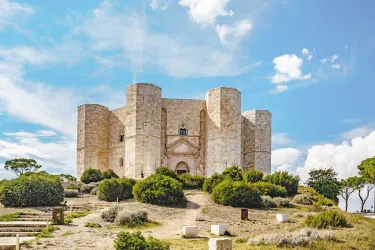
(200, 137)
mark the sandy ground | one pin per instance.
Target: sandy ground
(170, 220)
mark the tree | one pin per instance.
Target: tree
(348, 186)
(22, 165)
(367, 179)
(367, 168)
(325, 182)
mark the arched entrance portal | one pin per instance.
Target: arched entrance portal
(182, 168)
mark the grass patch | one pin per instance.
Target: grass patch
(10, 216)
(73, 215)
(92, 224)
(47, 232)
(148, 224)
(67, 233)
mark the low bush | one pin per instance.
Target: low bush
(160, 190)
(113, 189)
(269, 189)
(109, 174)
(234, 173)
(268, 202)
(324, 201)
(136, 241)
(302, 238)
(236, 194)
(326, 219)
(303, 199)
(290, 182)
(109, 215)
(69, 193)
(192, 182)
(281, 202)
(92, 224)
(94, 191)
(32, 190)
(91, 175)
(129, 219)
(86, 188)
(252, 176)
(211, 182)
(307, 191)
(167, 172)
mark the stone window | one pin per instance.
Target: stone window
(121, 162)
(121, 138)
(183, 130)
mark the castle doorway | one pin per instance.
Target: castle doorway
(182, 168)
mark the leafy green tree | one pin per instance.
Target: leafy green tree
(348, 186)
(367, 179)
(367, 168)
(22, 165)
(363, 184)
(321, 174)
(325, 182)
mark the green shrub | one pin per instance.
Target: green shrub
(236, 194)
(109, 174)
(269, 189)
(290, 182)
(326, 219)
(91, 175)
(86, 188)
(252, 176)
(234, 173)
(281, 202)
(32, 190)
(160, 190)
(324, 201)
(109, 215)
(167, 172)
(303, 199)
(70, 193)
(268, 202)
(136, 241)
(211, 182)
(94, 191)
(192, 182)
(307, 191)
(113, 189)
(92, 224)
(125, 218)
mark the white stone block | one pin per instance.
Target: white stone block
(190, 231)
(220, 244)
(282, 217)
(219, 229)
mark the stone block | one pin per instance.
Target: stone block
(190, 231)
(219, 229)
(282, 217)
(220, 244)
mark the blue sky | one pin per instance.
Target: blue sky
(309, 62)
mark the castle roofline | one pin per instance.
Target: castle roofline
(92, 104)
(143, 83)
(223, 89)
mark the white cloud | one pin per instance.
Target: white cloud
(357, 132)
(38, 133)
(284, 168)
(307, 53)
(280, 139)
(352, 121)
(160, 4)
(288, 68)
(343, 158)
(281, 88)
(12, 13)
(206, 11)
(231, 35)
(284, 156)
(331, 62)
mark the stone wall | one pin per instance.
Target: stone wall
(223, 131)
(92, 138)
(116, 148)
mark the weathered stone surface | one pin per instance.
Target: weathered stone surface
(282, 217)
(220, 244)
(145, 134)
(219, 229)
(199, 216)
(190, 231)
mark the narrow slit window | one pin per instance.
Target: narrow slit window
(121, 138)
(121, 162)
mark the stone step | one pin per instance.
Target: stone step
(21, 229)
(10, 242)
(13, 234)
(5, 224)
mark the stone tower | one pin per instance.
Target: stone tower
(92, 137)
(142, 129)
(223, 131)
(256, 140)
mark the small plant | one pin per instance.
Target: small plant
(86, 188)
(268, 202)
(91, 175)
(73, 215)
(136, 241)
(236, 194)
(92, 224)
(192, 182)
(131, 220)
(167, 172)
(303, 199)
(326, 219)
(281, 202)
(67, 233)
(10, 216)
(47, 232)
(252, 176)
(211, 182)
(70, 193)
(94, 191)
(110, 214)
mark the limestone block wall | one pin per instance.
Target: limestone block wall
(116, 148)
(259, 122)
(223, 129)
(92, 138)
(142, 129)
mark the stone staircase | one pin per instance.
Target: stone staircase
(27, 226)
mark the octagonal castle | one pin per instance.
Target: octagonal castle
(196, 136)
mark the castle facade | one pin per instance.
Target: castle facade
(200, 137)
